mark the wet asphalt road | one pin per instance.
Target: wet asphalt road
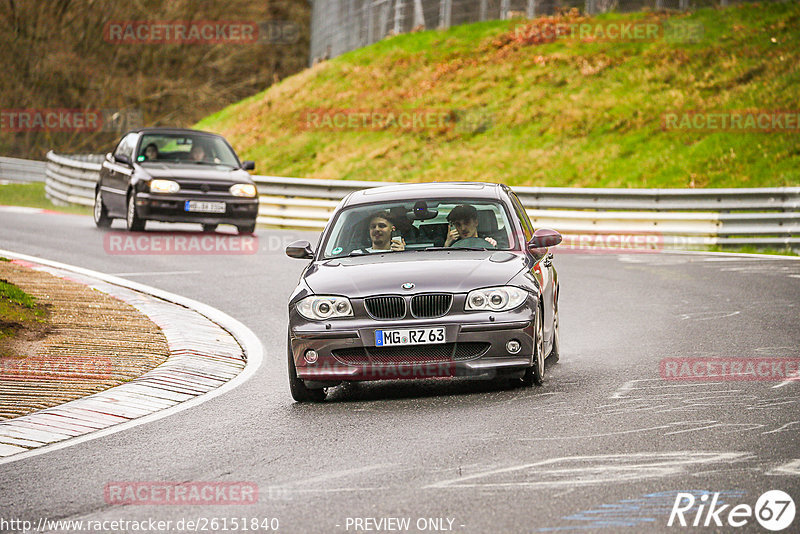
(605, 445)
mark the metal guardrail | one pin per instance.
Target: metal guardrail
(682, 218)
(71, 179)
(21, 170)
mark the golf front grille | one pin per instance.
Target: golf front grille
(429, 306)
(445, 352)
(386, 307)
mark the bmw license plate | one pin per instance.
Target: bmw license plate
(416, 336)
(204, 206)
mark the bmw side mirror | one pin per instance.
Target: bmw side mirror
(248, 165)
(301, 250)
(544, 238)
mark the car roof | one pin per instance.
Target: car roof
(388, 193)
(171, 130)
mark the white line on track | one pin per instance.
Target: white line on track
(573, 471)
(781, 429)
(791, 468)
(156, 273)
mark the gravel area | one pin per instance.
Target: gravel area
(94, 342)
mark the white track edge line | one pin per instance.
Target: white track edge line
(253, 349)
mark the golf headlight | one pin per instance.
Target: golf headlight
(164, 186)
(321, 307)
(243, 190)
(496, 298)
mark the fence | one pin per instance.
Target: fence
(338, 26)
(71, 179)
(21, 170)
(684, 218)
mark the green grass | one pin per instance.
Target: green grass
(568, 113)
(32, 195)
(18, 310)
(754, 250)
(11, 293)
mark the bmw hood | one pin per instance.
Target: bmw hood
(431, 271)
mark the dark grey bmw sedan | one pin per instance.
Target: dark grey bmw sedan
(424, 280)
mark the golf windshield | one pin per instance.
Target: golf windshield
(420, 225)
(185, 148)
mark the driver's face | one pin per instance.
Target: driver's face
(466, 228)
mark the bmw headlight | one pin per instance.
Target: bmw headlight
(164, 186)
(243, 190)
(496, 298)
(321, 307)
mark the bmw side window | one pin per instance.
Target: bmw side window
(527, 227)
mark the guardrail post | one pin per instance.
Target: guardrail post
(445, 7)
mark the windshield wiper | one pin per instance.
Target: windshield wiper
(213, 163)
(457, 248)
(355, 254)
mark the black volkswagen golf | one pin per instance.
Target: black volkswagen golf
(175, 175)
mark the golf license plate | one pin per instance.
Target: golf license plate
(204, 207)
(413, 336)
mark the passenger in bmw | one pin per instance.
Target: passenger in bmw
(463, 221)
(399, 216)
(380, 233)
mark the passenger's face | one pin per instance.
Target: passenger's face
(198, 154)
(380, 231)
(466, 228)
(150, 152)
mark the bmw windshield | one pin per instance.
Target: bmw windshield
(418, 225)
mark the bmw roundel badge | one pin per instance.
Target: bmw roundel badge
(408, 285)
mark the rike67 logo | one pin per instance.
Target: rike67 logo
(774, 510)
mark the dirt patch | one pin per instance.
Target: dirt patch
(23, 326)
(89, 342)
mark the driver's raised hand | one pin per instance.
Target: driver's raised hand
(452, 236)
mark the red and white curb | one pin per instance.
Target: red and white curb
(210, 354)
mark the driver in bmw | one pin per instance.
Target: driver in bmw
(463, 221)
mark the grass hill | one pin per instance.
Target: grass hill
(523, 110)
